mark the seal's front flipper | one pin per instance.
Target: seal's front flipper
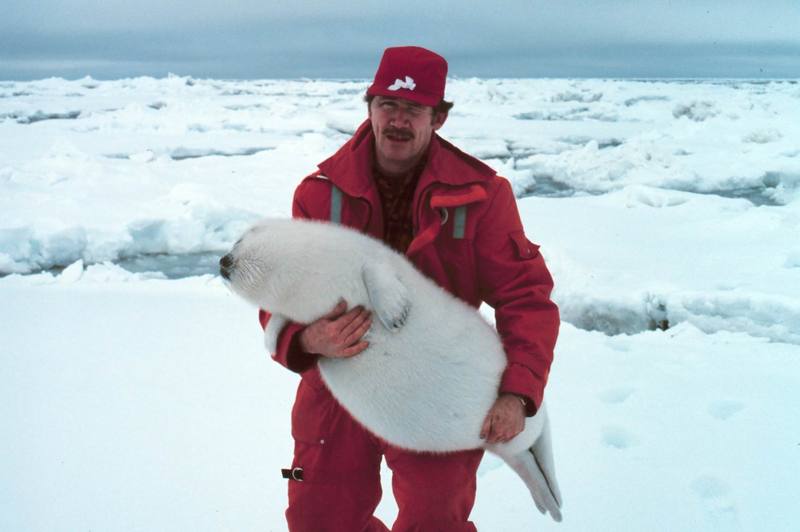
(388, 295)
(272, 332)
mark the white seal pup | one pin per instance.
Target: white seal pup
(433, 366)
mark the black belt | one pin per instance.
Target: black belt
(293, 474)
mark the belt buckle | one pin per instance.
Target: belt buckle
(297, 474)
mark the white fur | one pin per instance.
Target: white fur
(433, 366)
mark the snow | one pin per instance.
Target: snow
(135, 391)
(192, 162)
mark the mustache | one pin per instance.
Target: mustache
(398, 132)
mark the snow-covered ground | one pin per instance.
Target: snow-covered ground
(137, 401)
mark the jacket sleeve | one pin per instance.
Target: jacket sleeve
(288, 352)
(514, 280)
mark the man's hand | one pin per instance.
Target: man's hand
(505, 419)
(338, 333)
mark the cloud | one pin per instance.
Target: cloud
(312, 38)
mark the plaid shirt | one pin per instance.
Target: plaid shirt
(397, 195)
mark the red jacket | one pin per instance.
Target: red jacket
(486, 258)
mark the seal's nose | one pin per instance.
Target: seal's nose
(225, 264)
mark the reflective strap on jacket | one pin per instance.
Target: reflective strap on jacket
(336, 204)
(459, 221)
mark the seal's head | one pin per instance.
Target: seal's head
(299, 268)
(256, 259)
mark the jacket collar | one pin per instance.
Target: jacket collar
(350, 168)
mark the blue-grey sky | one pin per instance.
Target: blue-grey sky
(315, 38)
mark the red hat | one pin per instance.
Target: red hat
(412, 73)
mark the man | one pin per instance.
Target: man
(457, 221)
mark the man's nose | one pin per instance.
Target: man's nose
(400, 116)
(225, 265)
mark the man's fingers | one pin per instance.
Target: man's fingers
(501, 424)
(498, 437)
(503, 436)
(486, 429)
(357, 322)
(354, 350)
(501, 432)
(360, 330)
(336, 311)
(347, 318)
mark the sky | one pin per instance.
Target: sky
(253, 39)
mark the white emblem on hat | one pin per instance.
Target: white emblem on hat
(400, 84)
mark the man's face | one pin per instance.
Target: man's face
(402, 131)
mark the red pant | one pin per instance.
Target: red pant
(341, 474)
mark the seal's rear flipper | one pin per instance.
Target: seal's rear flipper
(542, 451)
(535, 467)
(388, 295)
